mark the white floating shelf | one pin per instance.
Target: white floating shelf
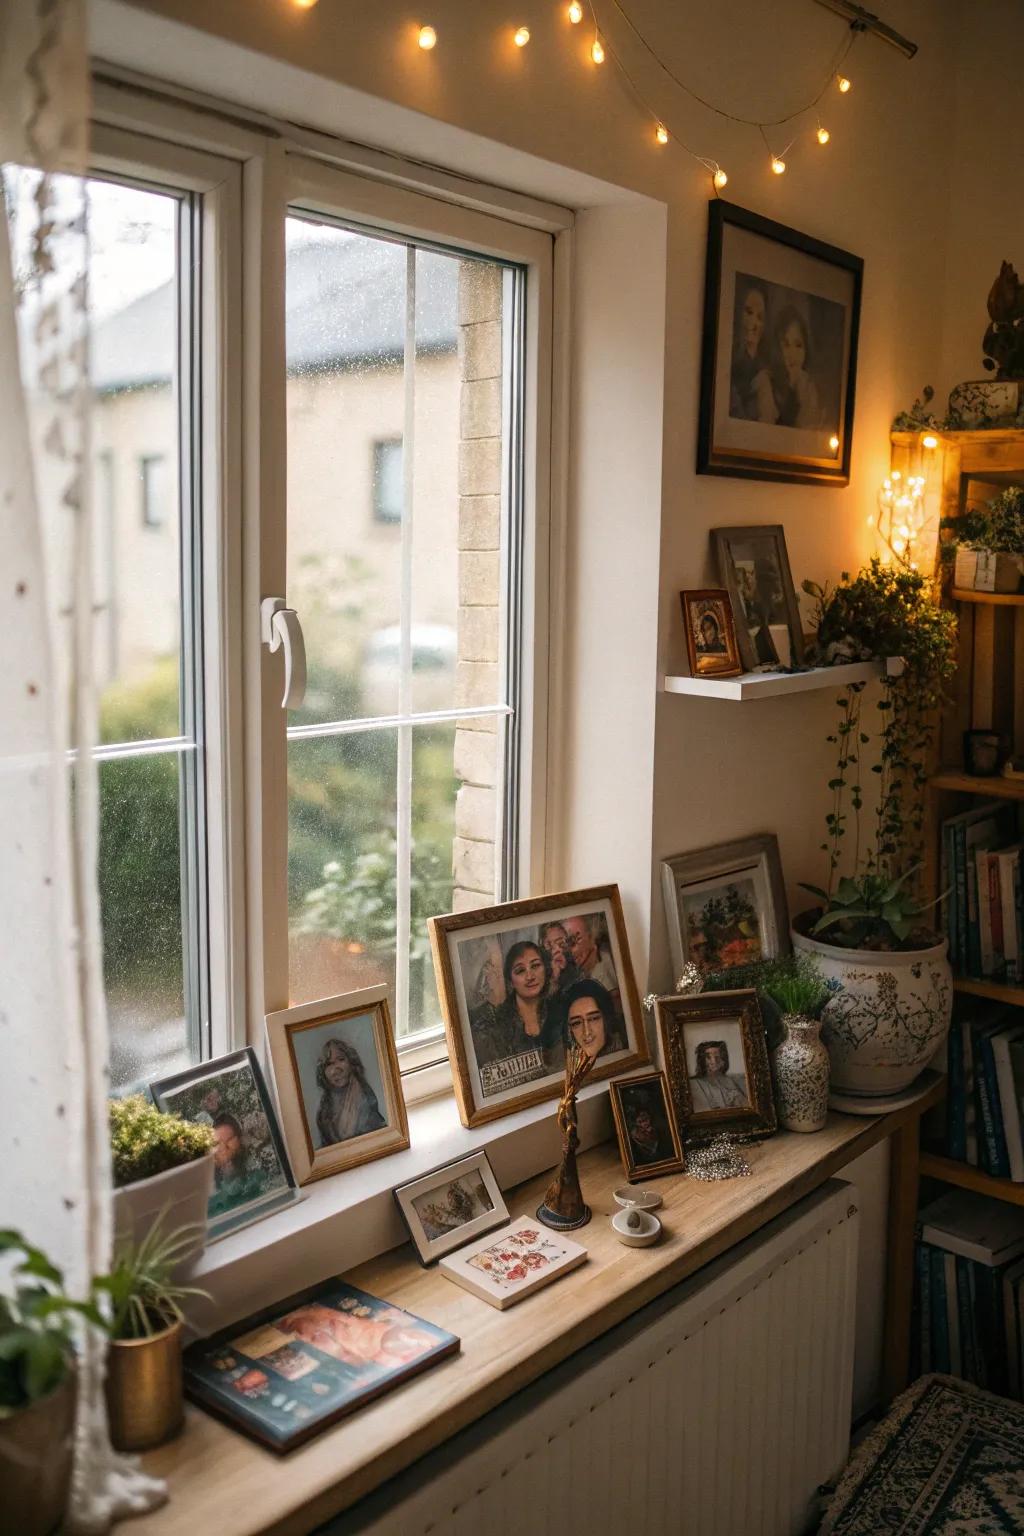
(765, 685)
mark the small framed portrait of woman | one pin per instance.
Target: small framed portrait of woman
(336, 1073)
(779, 359)
(645, 1124)
(716, 1061)
(450, 1205)
(520, 982)
(710, 633)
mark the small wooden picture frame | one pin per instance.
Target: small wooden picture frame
(753, 565)
(711, 644)
(716, 1060)
(451, 1205)
(645, 1124)
(336, 1072)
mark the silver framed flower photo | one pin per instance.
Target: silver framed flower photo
(779, 360)
(451, 1205)
(726, 905)
(336, 1073)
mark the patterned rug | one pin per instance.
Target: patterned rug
(948, 1460)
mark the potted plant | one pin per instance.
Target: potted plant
(163, 1167)
(37, 1390)
(800, 1062)
(144, 1319)
(986, 543)
(892, 987)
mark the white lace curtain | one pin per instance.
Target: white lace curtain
(54, 1153)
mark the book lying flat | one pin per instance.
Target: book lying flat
(975, 1226)
(288, 1372)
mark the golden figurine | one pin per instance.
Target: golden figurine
(564, 1206)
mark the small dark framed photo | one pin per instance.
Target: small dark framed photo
(450, 1205)
(716, 1060)
(252, 1176)
(779, 356)
(983, 753)
(646, 1126)
(753, 565)
(710, 633)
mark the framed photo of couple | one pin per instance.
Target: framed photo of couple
(521, 982)
(779, 360)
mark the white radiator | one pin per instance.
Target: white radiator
(717, 1411)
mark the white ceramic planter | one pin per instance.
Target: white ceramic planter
(889, 1015)
(181, 1193)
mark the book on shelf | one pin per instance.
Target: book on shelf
(984, 1124)
(976, 1227)
(967, 1319)
(980, 883)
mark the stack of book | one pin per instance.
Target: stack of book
(970, 1269)
(985, 1091)
(981, 878)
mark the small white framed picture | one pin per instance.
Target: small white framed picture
(451, 1205)
(510, 1265)
(336, 1072)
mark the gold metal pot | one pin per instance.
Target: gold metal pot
(145, 1399)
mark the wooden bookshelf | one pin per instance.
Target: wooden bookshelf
(964, 1176)
(955, 781)
(997, 599)
(995, 991)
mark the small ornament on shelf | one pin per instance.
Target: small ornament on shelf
(564, 1207)
(717, 1158)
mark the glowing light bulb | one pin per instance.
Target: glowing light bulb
(844, 84)
(597, 51)
(929, 441)
(778, 166)
(427, 38)
(833, 443)
(522, 37)
(720, 179)
(575, 13)
(896, 475)
(661, 133)
(823, 135)
(899, 545)
(303, 5)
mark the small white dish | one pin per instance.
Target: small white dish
(636, 1228)
(637, 1199)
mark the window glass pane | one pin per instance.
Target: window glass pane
(133, 363)
(140, 897)
(341, 862)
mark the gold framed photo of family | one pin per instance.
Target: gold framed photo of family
(716, 1060)
(779, 357)
(336, 1073)
(519, 983)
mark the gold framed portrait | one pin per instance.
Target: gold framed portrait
(711, 644)
(645, 1124)
(716, 1060)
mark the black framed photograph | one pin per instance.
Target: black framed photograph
(451, 1205)
(252, 1176)
(753, 566)
(716, 1060)
(779, 356)
(711, 644)
(646, 1126)
(726, 905)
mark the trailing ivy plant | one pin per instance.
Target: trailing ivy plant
(883, 611)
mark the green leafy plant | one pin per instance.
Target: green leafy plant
(141, 1294)
(36, 1326)
(145, 1142)
(870, 911)
(998, 526)
(883, 611)
(358, 898)
(796, 985)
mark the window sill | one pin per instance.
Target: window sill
(351, 1217)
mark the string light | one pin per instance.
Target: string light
(844, 84)
(575, 13)
(522, 37)
(778, 166)
(720, 179)
(823, 135)
(903, 523)
(597, 51)
(661, 133)
(427, 38)
(929, 440)
(833, 443)
(303, 5)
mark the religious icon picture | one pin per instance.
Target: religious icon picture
(336, 1073)
(710, 633)
(646, 1126)
(716, 1061)
(451, 1205)
(521, 982)
(252, 1176)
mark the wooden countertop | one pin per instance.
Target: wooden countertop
(220, 1481)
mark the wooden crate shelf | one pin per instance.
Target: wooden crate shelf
(996, 991)
(964, 1176)
(996, 599)
(997, 788)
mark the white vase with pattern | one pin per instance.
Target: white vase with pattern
(800, 1066)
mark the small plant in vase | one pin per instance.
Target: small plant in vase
(892, 988)
(162, 1167)
(800, 1062)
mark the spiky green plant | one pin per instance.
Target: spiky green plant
(142, 1296)
(870, 911)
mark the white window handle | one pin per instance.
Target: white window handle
(280, 629)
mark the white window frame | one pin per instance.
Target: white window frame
(248, 174)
